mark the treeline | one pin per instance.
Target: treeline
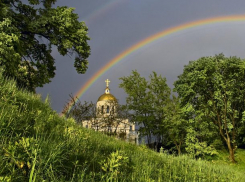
(205, 113)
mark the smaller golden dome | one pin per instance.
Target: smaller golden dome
(107, 97)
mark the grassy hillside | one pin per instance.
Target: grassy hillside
(38, 145)
(223, 159)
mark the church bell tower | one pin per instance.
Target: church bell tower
(106, 104)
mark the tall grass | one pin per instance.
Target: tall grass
(36, 144)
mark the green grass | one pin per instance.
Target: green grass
(223, 159)
(36, 144)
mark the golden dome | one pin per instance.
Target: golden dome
(107, 97)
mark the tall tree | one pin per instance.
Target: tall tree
(215, 88)
(30, 30)
(138, 101)
(160, 93)
(174, 123)
(146, 100)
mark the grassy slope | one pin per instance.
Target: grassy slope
(37, 144)
(223, 159)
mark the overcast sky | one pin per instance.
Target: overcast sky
(115, 25)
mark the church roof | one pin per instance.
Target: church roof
(107, 97)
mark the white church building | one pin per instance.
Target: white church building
(108, 120)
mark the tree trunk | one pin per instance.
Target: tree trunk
(227, 139)
(231, 150)
(178, 147)
(148, 138)
(179, 151)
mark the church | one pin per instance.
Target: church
(109, 118)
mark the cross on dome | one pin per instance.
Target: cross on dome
(107, 82)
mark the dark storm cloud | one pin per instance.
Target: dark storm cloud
(116, 25)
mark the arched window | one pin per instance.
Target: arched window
(112, 109)
(107, 110)
(102, 109)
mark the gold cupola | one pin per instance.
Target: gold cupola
(107, 96)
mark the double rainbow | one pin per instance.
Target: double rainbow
(152, 38)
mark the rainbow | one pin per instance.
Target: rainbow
(94, 15)
(152, 38)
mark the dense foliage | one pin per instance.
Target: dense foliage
(146, 100)
(213, 89)
(175, 123)
(29, 30)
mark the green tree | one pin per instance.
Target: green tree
(138, 102)
(214, 87)
(78, 110)
(146, 100)
(175, 123)
(160, 93)
(30, 30)
(195, 147)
